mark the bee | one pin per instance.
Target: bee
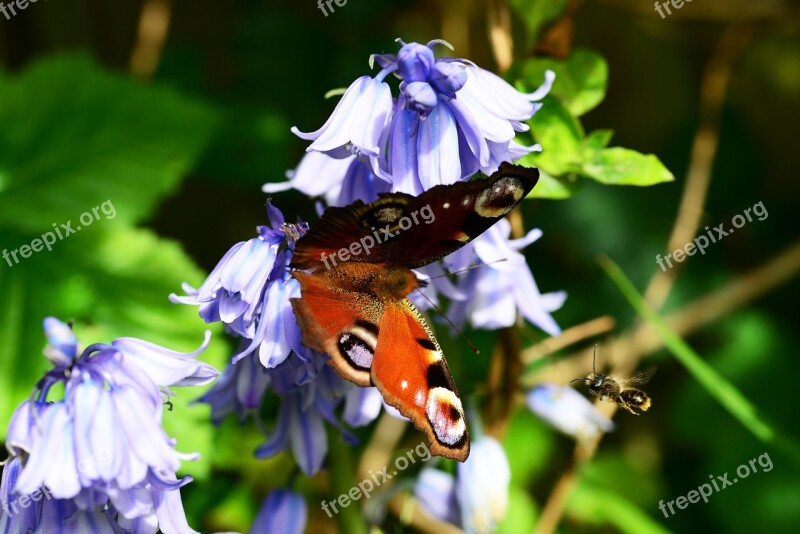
(618, 391)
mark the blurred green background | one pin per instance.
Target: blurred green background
(180, 133)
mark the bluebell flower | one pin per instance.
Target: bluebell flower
(476, 499)
(101, 452)
(310, 392)
(250, 282)
(283, 511)
(502, 285)
(240, 388)
(253, 284)
(568, 411)
(339, 181)
(449, 120)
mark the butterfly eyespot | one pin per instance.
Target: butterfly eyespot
(446, 416)
(356, 351)
(500, 199)
(446, 205)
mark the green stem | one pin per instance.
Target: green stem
(343, 470)
(715, 384)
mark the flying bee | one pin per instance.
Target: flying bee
(618, 391)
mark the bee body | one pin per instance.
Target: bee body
(616, 391)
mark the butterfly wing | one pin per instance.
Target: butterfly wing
(412, 374)
(385, 343)
(340, 322)
(413, 231)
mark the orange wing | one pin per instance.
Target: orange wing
(385, 343)
(412, 374)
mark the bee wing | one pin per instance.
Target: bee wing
(642, 377)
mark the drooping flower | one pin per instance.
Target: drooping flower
(568, 411)
(476, 499)
(449, 120)
(502, 284)
(250, 282)
(283, 511)
(258, 299)
(101, 452)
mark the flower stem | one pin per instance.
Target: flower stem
(343, 471)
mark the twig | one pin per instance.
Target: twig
(568, 337)
(713, 90)
(151, 35)
(499, 22)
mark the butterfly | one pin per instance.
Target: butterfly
(354, 269)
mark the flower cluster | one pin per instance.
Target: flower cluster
(450, 120)
(249, 291)
(99, 454)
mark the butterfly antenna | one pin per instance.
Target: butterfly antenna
(467, 269)
(460, 333)
(594, 359)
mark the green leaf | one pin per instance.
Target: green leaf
(82, 135)
(522, 512)
(597, 140)
(601, 506)
(535, 14)
(714, 383)
(96, 151)
(553, 188)
(113, 281)
(622, 166)
(561, 137)
(580, 82)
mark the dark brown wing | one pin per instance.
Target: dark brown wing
(413, 231)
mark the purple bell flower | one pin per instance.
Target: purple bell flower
(476, 499)
(283, 511)
(100, 453)
(258, 300)
(449, 120)
(568, 411)
(499, 289)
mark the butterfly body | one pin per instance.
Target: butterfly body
(354, 268)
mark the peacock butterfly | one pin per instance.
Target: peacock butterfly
(354, 268)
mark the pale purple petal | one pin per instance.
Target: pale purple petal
(335, 133)
(170, 513)
(403, 153)
(167, 367)
(283, 512)
(436, 492)
(568, 411)
(362, 406)
(274, 348)
(437, 150)
(482, 486)
(308, 437)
